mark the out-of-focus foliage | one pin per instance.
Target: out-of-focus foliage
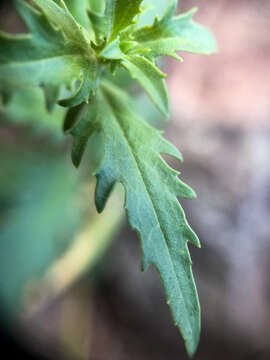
(39, 215)
(27, 108)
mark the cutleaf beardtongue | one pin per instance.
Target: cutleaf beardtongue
(79, 42)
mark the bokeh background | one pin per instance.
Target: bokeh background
(69, 291)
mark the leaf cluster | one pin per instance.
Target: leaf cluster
(69, 50)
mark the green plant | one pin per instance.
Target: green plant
(71, 51)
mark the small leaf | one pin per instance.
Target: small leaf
(151, 79)
(170, 34)
(60, 16)
(122, 14)
(78, 10)
(99, 25)
(152, 188)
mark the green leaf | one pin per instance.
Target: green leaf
(151, 79)
(60, 16)
(78, 10)
(171, 34)
(36, 195)
(96, 5)
(132, 156)
(54, 55)
(27, 108)
(99, 25)
(118, 16)
(122, 13)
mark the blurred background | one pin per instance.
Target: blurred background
(70, 280)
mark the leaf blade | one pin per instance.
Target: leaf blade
(123, 13)
(60, 16)
(171, 34)
(78, 10)
(153, 210)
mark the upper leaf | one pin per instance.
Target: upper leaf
(151, 78)
(118, 16)
(53, 56)
(122, 14)
(96, 5)
(136, 49)
(152, 188)
(171, 34)
(59, 15)
(78, 10)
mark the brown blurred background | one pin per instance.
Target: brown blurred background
(220, 122)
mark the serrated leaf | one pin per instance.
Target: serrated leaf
(53, 55)
(171, 34)
(122, 13)
(60, 16)
(151, 79)
(132, 157)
